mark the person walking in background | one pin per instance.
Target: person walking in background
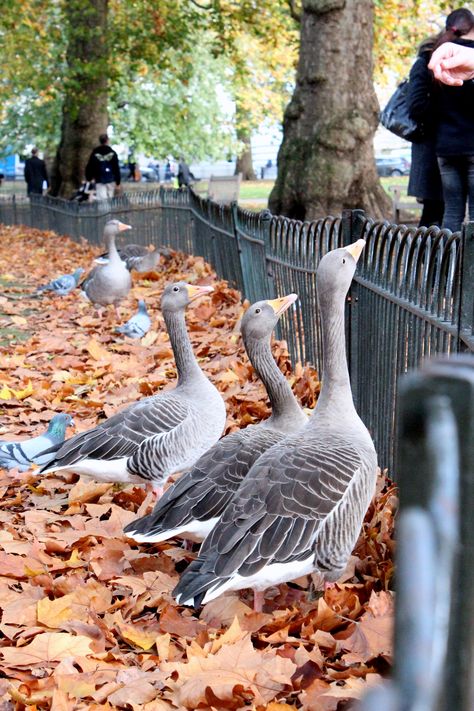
(168, 172)
(452, 64)
(425, 180)
(103, 167)
(184, 174)
(454, 113)
(35, 174)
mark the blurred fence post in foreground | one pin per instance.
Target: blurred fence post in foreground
(434, 633)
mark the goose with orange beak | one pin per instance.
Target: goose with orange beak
(151, 439)
(191, 506)
(300, 508)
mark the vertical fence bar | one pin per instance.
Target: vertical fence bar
(352, 229)
(466, 306)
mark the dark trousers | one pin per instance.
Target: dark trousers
(432, 213)
(457, 178)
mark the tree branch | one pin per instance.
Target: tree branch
(201, 7)
(293, 11)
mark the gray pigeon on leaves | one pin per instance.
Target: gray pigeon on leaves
(23, 454)
(63, 284)
(138, 324)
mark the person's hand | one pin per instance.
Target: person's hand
(452, 63)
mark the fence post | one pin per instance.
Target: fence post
(352, 226)
(466, 306)
(453, 381)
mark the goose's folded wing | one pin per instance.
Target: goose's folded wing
(121, 435)
(275, 515)
(203, 492)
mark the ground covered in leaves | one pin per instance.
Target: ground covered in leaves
(87, 618)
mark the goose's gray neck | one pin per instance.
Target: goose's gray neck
(281, 396)
(114, 256)
(336, 394)
(186, 363)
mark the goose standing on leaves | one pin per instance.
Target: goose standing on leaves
(191, 507)
(109, 283)
(64, 284)
(162, 434)
(138, 324)
(32, 451)
(300, 508)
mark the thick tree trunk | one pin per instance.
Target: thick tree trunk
(85, 104)
(244, 163)
(326, 160)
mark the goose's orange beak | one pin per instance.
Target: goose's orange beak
(355, 249)
(282, 304)
(123, 227)
(195, 291)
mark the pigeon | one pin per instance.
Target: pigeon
(138, 324)
(63, 284)
(23, 454)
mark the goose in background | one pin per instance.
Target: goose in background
(22, 454)
(137, 257)
(138, 324)
(191, 507)
(300, 508)
(64, 284)
(109, 283)
(162, 434)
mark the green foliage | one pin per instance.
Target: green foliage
(399, 28)
(162, 113)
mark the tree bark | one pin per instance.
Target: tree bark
(244, 163)
(326, 160)
(84, 115)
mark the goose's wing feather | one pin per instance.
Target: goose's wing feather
(122, 434)
(276, 514)
(89, 278)
(203, 492)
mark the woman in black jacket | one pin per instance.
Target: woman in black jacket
(425, 180)
(454, 108)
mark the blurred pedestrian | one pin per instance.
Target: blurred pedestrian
(454, 107)
(103, 167)
(168, 172)
(35, 174)
(425, 180)
(184, 174)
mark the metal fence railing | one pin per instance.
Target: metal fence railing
(412, 296)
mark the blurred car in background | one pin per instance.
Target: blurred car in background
(392, 165)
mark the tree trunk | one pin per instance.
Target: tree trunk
(326, 160)
(244, 163)
(85, 104)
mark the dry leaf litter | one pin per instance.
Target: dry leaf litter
(87, 618)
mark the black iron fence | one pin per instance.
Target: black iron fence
(412, 297)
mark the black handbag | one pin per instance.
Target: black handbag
(395, 116)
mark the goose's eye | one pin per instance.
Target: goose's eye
(257, 311)
(343, 261)
(175, 288)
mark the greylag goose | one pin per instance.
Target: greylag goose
(162, 434)
(109, 283)
(300, 508)
(22, 454)
(191, 507)
(64, 284)
(138, 324)
(136, 257)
